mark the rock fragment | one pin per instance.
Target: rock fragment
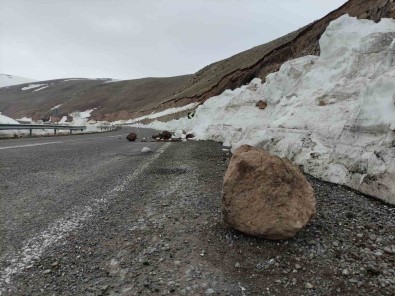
(131, 137)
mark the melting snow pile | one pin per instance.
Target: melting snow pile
(334, 115)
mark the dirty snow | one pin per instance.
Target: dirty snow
(333, 115)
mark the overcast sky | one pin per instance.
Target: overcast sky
(126, 39)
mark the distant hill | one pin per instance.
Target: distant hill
(134, 98)
(113, 99)
(7, 80)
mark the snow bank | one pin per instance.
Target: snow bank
(8, 80)
(7, 120)
(80, 119)
(333, 115)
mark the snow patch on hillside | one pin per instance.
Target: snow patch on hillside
(81, 118)
(159, 114)
(56, 107)
(333, 115)
(32, 86)
(41, 88)
(8, 80)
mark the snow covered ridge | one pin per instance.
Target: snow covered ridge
(8, 80)
(334, 115)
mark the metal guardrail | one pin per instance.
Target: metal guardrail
(32, 127)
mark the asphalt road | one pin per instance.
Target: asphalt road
(50, 186)
(92, 215)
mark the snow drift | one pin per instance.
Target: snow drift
(334, 115)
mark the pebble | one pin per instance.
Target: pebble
(308, 286)
(46, 271)
(345, 272)
(237, 265)
(335, 243)
(372, 237)
(145, 150)
(210, 291)
(297, 266)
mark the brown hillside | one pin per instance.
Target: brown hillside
(114, 100)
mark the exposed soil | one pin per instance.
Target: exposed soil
(165, 236)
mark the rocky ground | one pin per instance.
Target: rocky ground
(165, 236)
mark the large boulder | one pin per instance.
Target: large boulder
(266, 196)
(132, 137)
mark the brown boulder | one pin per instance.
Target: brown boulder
(132, 137)
(265, 196)
(261, 104)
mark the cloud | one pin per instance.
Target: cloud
(46, 39)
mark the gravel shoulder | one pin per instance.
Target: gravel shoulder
(163, 235)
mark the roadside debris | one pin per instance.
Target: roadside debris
(165, 135)
(145, 150)
(131, 137)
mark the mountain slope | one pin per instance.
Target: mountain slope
(113, 100)
(134, 98)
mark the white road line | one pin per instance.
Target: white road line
(56, 142)
(33, 248)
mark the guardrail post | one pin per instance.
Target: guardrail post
(71, 131)
(54, 131)
(31, 132)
